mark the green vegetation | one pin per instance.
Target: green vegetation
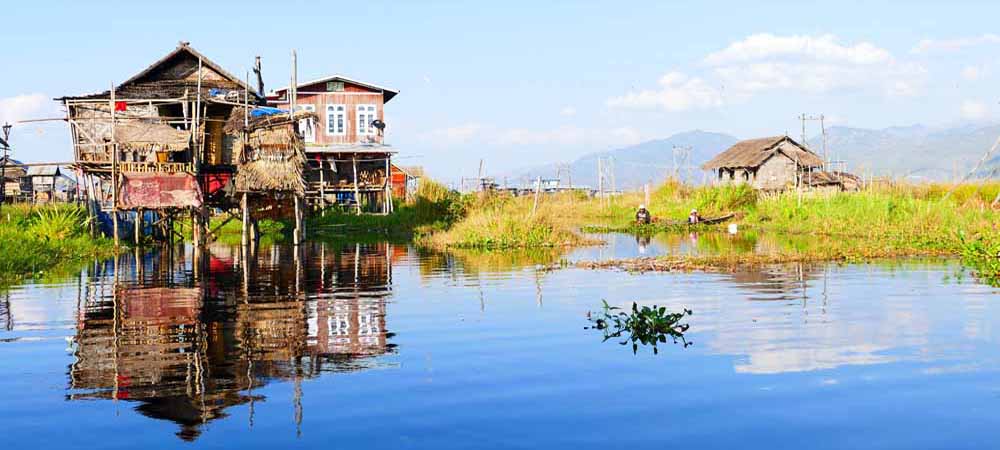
(504, 222)
(39, 240)
(433, 208)
(982, 253)
(646, 325)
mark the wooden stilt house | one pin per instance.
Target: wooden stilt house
(159, 142)
(348, 162)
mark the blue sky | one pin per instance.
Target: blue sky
(524, 83)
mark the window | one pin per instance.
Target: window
(366, 115)
(307, 126)
(336, 120)
(335, 86)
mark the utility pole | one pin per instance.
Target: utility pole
(822, 124)
(3, 163)
(680, 153)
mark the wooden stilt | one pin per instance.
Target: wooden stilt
(322, 189)
(245, 211)
(357, 193)
(298, 233)
(114, 170)
(138, 227)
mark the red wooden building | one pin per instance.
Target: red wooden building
(348, 159)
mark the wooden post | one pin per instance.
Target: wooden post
(138, 227)
(245, 211)
(538, 190)
(297, 234)
(388, 186)
(114, 169)
(357, 193)
(322, 187)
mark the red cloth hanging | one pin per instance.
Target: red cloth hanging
(120, 106)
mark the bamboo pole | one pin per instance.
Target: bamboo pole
(357, 193)
(114, 170)
(322, 188)
(245, 211)
(388, 187)
(138, 227)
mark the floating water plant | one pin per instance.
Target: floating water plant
(645, 325)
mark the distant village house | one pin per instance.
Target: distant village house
(774, 164)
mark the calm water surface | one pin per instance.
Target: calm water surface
(382, 346)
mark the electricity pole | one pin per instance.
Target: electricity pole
(3, 163)
(822, 125)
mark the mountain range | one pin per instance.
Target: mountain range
(915, 152)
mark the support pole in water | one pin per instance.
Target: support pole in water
(297, 235)
(138, 227)
(245, 212)
(114, 170)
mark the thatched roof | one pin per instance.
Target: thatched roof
(822, 178)
(753, 153)
(271, 155)
(172, 75)
(142, 136)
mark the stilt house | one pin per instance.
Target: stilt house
(158, 141)
(348, 161)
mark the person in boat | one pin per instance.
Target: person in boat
(642, 216)
(694, 217)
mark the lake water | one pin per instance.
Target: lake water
(380, 345)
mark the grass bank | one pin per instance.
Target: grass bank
(879, 222)
(35, 241)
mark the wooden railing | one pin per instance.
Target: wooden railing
(155, 167)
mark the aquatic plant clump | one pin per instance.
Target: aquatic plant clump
(646, 325)
(982, 253)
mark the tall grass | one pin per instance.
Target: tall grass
(433, 207)
(37, 240)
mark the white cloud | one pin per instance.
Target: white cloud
(25, 106)
(459, 134)
(953, 45)
(677, 92)
(974, 110)
(819, 48)
(972, 73)
(567, 111)
(766, 62)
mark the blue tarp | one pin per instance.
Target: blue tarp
(261, 111)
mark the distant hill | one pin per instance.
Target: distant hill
(637, 164)
(917, 152)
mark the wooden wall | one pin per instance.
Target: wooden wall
(351, 97)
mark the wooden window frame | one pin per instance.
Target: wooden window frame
(331, 117)
(362, 109)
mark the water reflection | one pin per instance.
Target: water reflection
(188, 336)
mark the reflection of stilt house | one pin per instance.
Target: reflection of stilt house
(187, 354)
(348, 160)
(157, 141)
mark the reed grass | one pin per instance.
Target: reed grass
(37, 240)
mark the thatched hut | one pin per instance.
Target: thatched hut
(771, 163)
(270, 154)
